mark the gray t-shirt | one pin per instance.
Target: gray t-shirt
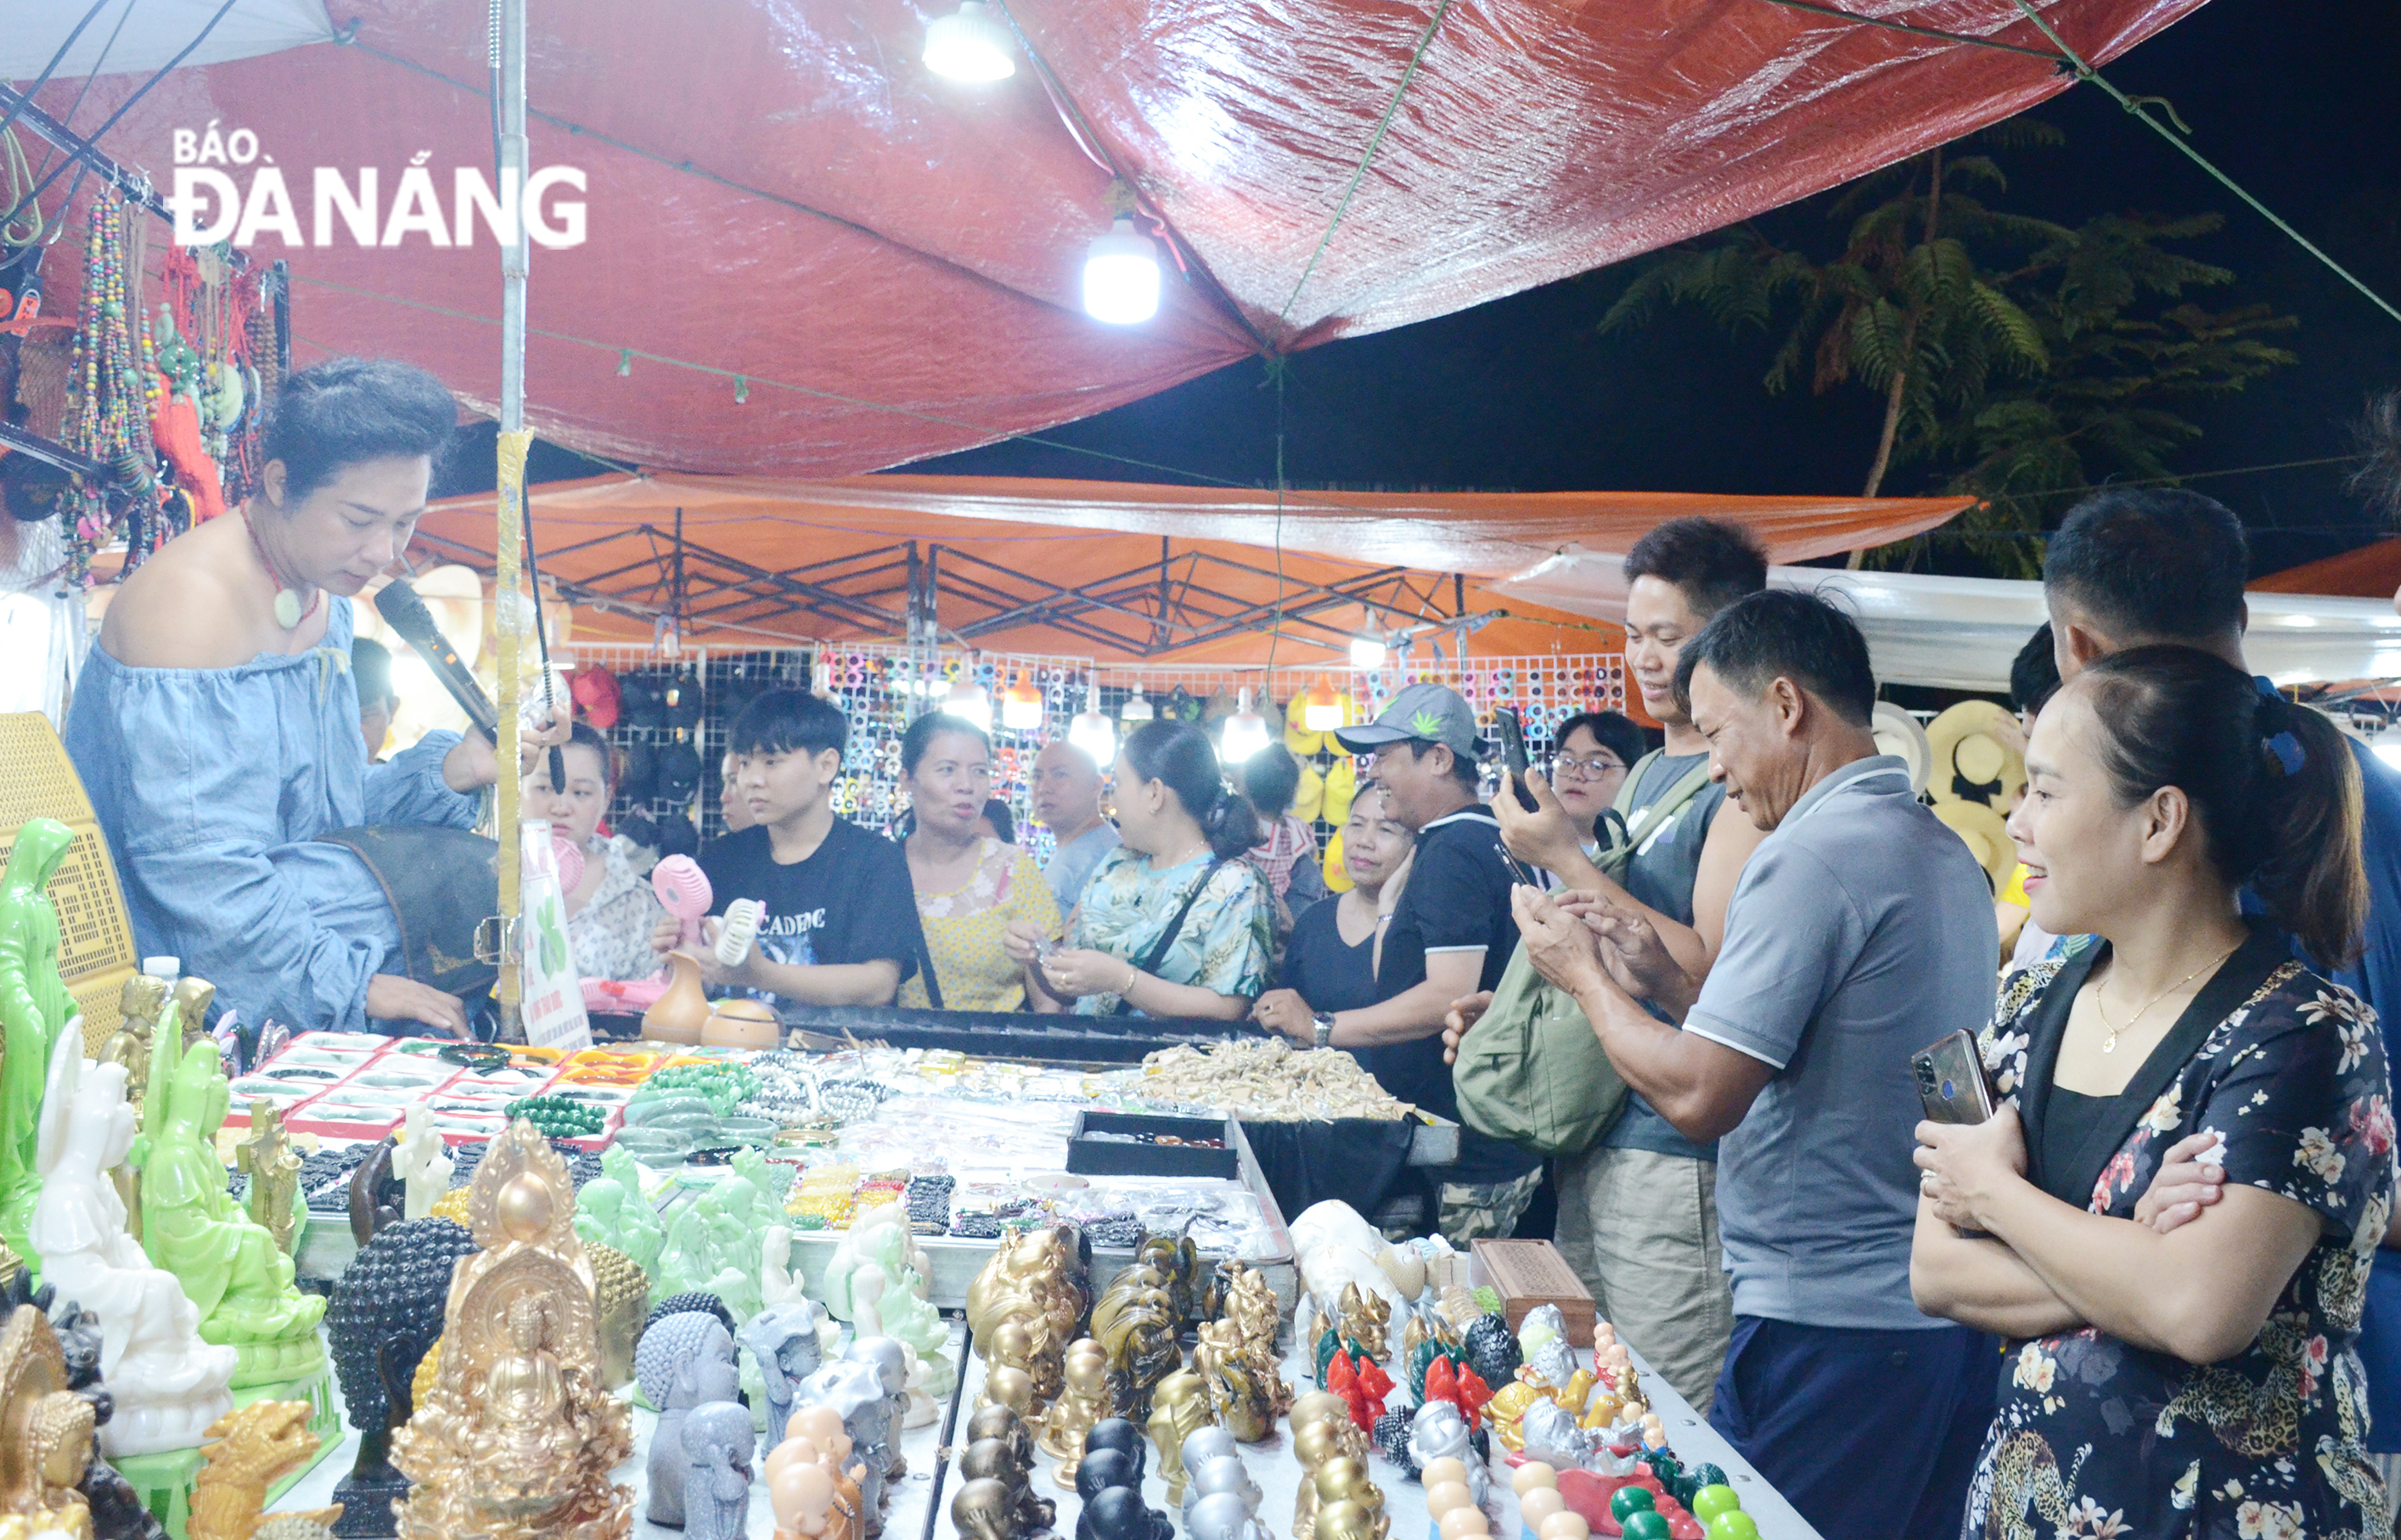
(1071, 865)
(1662, 874)
(1860, 932)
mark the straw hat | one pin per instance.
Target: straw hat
(1975, 754)
(1896, 733)
(1986, 835)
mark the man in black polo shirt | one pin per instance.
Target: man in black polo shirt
(1449, 935)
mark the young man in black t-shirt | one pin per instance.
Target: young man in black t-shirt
(840, 921)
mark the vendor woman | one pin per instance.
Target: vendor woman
(215, 725)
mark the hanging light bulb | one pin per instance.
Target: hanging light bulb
(1137, 708)
(967, 700)
(1321, 709)
(1091, 731)
(971, 44)
(1121, 276)
(1021, 705)
(1246, 732)
(1367, 650)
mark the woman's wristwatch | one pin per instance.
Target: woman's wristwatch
(1324, 1024)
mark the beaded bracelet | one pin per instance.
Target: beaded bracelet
(556, 1117)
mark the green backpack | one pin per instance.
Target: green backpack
(1531, 1070)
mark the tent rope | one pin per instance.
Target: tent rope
(1359, 172)
(2139, 106)
(1935, 33)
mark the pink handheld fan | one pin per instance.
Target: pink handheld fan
(683, 891)
(569, 857)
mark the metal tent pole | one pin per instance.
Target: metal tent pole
(509, 57)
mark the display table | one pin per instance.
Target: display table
(919, 1509)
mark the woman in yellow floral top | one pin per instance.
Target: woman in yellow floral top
(969, 886)
(2180, 1366)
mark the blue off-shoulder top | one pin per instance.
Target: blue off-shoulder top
(212, 785)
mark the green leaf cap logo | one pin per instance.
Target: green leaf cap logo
(1425, 724)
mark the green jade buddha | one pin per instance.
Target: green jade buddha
(227, 1263)
(35, 1009)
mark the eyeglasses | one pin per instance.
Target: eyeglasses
(1595, 768)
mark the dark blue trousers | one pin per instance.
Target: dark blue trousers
(1868, 1435)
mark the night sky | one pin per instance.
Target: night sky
(2291, 98)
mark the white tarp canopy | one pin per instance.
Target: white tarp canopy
(1960, 633)
(31, 32)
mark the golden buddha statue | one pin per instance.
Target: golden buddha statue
(1085, 1402)
(45, 1433)
(1322, 1430)
(1178, 1405)
(516, 1435)
(623, 1294)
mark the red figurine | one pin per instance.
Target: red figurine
(1363, 1389)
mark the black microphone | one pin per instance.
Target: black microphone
(407, 613)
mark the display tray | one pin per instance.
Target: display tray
(1104, 1144)
(1010, 1034)
(954, 1260)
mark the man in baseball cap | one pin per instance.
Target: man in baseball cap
(1450, 936)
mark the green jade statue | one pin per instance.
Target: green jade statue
(35, 1009)
(227, 1263)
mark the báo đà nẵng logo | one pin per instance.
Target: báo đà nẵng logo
(251, 200)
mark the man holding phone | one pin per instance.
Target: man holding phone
(1859, 928)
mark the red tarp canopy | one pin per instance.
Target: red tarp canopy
(782, 191)
(1111, 570)
(2371, 572)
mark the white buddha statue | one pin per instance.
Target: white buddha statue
(421, 1163)
(168, 1384)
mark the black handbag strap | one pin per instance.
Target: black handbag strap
(1157, 953)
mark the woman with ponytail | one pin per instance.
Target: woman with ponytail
(1173, 922)
(2172, 1214)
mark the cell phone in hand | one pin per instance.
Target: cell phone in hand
(1951, 1083)
(1513, 755)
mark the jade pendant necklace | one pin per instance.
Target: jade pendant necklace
(288, 612)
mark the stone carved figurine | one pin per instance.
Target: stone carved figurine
(167, 1386)
(783, 1342)
(719, 1441)
(780, 1282)
(608, 1213)
(138, 1004)
(1179, 1404)
(420, 1162)
(230, 1266)
(46, 1433)
(386, 1313)
(35, 1011)
(273, 1167)
(517, 1433)
(683, 1361)
(253, 1449)
(856, 1393)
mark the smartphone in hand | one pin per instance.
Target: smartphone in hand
(1513, 756)
(1951, 1083)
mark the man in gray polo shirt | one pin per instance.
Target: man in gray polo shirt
(1861, 930)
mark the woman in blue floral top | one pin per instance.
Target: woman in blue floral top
(1180, 878)
(2175, 1367)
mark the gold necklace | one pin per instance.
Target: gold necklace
(2109, 1044)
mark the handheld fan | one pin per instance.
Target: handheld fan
(569, 856)
(740, 930)
(683, 891)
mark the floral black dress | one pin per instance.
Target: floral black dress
(2095, 1437)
